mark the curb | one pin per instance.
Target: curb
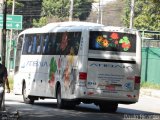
(150, 92)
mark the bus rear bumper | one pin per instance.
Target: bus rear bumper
(124, 97)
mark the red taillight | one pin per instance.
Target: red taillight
(82, 75)
(137, 79)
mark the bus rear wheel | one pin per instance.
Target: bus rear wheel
(60, 101)
(26, 98)
(109, 107)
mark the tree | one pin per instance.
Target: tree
(146, 15)
(10, 3)
(29, 9)
(59, 10)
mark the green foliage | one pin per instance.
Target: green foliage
(150, 85)
(60, 9)
(82, 9)
(41, 22)
(17, 4)
(146, 14)
(10, 3)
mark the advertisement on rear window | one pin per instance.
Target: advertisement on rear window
(112, 41)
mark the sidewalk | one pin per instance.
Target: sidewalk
(150, 92)
(9, 114)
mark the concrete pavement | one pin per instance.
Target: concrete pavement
(12, 113)
(150, 92)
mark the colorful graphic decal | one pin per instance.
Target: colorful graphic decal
(66, 76)
(125, 43)
(102, 42)
(53, 69)
(64, 66)
(71, 55)
(64, 42)
(113, 40)
(69, 73)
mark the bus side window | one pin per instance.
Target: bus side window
(49, 47)
(74, 41)
(58, 37)
(26, 45)
(30, 44)
(42, 43)
(18, 53)
(45, 44)
(51, 44)
(64, 44)
(34, 48)
(38, 45)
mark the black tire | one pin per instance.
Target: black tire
(108, 107)
(70, 104)
(26, 99)
(60, 101)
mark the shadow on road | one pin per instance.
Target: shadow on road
(44, 110)
(95, 109)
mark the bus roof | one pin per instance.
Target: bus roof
(75, 25)
(33, 30)
(62, 25)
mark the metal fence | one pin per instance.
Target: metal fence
(150, 57)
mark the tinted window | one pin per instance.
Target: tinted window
(51, 44)
(45, 44)
(39, 44)
(67, 43)
(62, 43)
(28, 44)
(35, 44)
(112, 41)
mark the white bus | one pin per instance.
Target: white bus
(78, 62)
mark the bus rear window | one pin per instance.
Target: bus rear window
(112, 41)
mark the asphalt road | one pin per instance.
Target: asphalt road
(146, 109)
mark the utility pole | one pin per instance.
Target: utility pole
(3, 3)
(131, 14)
(71, 10)
(10, 40)
(1, 12)
(4, 32)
